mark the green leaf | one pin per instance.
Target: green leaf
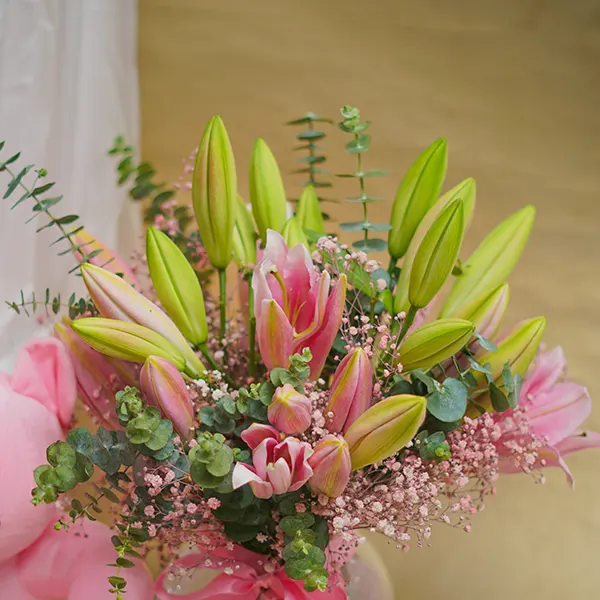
(221, 463)
(11, 160)
(499, 400)
(60, 453)
(370, 245)
(42, 188)
(363, 199)
(276, 376)
(239, 532)
(486, 344)
(160, 436)
(125, 563)
(39, 472)
(379, 227)
(202, 476)
(110, 495)
(106, 453)
(354, 226)
(310, 134)
(67, 219)
(12, 186)
(374, 173)
(400, 387)
(292, 524)
(450, 402)
(81, 439)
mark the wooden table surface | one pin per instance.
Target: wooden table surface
(515, 88)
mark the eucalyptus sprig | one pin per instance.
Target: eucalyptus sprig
(52, 303)
(352, 124)
(308, 143)
(66, 224)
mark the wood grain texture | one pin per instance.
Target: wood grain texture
(515, 87)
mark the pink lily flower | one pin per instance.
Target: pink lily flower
(556, 409)
(293, 305)
(277, 466)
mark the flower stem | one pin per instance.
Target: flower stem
(223, 302)
(362, 189)
(392, 265)
(408, 321)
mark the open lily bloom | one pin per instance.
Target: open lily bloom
(278, 466)
(293, 305)
(556, 410)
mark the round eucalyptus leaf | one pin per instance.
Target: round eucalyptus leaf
(450, 402)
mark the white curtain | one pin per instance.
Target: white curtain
(68, 86)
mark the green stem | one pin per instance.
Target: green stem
(311, 154)
(223, 301)
(392, 265)
(362, 189)
(251, 330)
(214, 364)
(408, 321)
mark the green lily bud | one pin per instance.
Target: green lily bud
(214, 190)
(493, 261)
(385, 428)
(486, 311)
(416, 194)
(267, 194)
(293, 234)
(125, 340)
(177, 286)
(433, 343)
(308, 212)
(464, 191)
(244, 236)
(436, 255)
(517, 349)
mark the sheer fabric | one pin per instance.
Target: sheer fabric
(68, 86)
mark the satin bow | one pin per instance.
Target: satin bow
(248, 579)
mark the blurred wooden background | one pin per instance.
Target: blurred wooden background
(515, 87)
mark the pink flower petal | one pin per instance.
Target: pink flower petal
(548, 368)
(557, 413)
(275, 335)
(242, 474)
(257, 432)
(280, 476)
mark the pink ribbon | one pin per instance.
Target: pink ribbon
(248, 579)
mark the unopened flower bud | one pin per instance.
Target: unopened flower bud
(493, 261)
(214, 191)
(416, 194)
(351, 391)
(163, 386)
(385, 428)
(176, 285)
(436, 255)
(290, 411)
(267, 194)
(331, 465)
(486, 311)
(125, 340)
(434, 342)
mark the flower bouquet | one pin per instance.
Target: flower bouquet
(258, 437)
